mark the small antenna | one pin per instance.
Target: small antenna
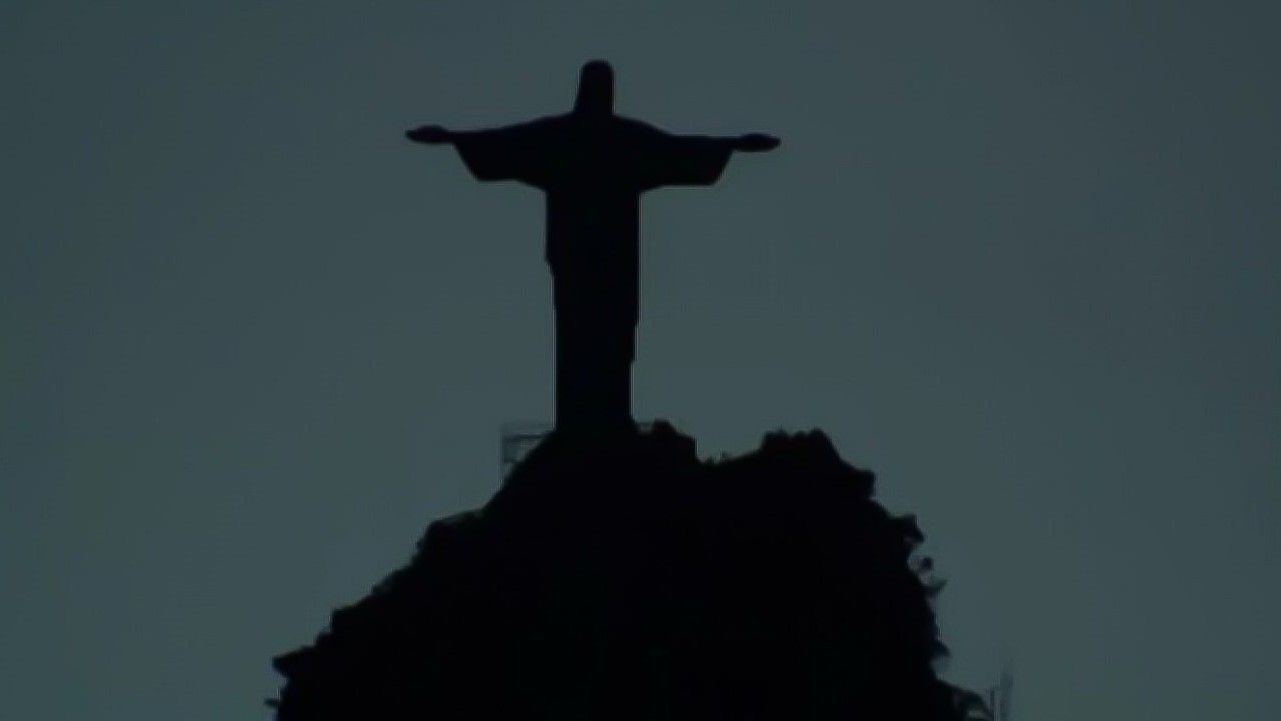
(998, 696)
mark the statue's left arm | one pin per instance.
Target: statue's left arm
(695, 159)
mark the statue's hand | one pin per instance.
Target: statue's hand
(755, 142)
(432, 134)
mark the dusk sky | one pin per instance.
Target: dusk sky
(1022, 259)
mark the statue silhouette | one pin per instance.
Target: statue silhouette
(593, 165)
(619, 576)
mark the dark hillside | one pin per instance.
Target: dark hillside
(627, 579)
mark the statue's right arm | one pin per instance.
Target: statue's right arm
(430, 134)
(439, 135)
(513, 152)
(755, 143)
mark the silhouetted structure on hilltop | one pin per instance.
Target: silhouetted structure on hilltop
(630, 580)
(615, 575)
(593, 165)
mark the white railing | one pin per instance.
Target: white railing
(518, 438)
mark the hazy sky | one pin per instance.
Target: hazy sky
(1019, 257)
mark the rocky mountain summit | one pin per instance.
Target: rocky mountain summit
(621, 577)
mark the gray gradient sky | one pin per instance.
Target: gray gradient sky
(1020, 258)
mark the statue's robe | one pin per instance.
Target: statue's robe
(593, 170)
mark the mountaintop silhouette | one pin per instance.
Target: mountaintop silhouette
(621, 577)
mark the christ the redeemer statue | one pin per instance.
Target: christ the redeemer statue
(593, 165)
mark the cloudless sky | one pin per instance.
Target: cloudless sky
(1019, 258)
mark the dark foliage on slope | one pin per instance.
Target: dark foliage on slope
(623, 578)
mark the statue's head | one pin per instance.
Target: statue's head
(595, 89)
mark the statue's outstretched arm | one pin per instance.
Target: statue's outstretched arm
(439, 135)
(749, 143)
(431, 134)
(755, 142)
(514, 152)
(690, 160)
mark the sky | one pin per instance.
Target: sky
(1019, 258)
